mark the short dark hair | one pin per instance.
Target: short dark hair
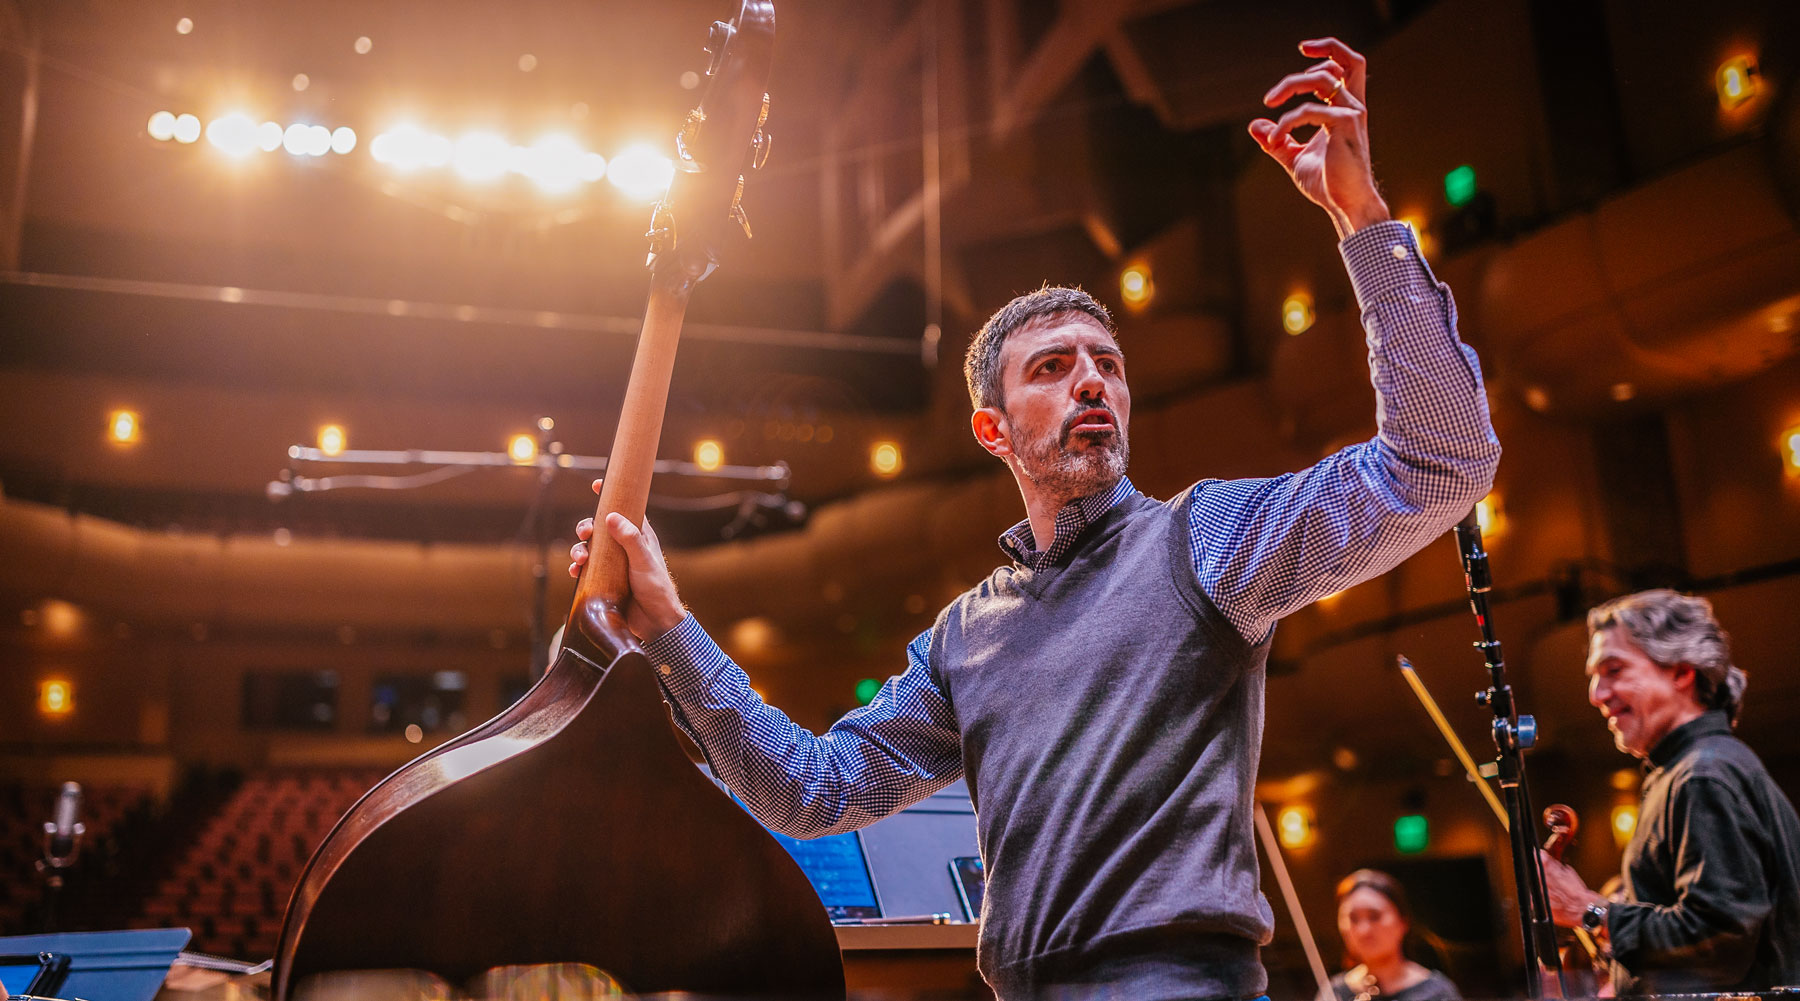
(981, 366)
(1674, 628)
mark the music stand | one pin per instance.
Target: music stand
(126, 965)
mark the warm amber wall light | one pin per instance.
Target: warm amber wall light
(1490, 515)
(884, 458)
(1297, 313)
(122, 426)
(1295, 827)
(1624, 821)
(522, 448)
(1135, 285)
(332, 439)
(56, 697)
(709, 454)
(1790, 450)
(1736, 81)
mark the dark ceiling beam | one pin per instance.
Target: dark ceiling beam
(623, 326)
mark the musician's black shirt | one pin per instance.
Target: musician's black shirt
(1712, 873)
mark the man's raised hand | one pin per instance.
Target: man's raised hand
(654, 607)
(1332, 166)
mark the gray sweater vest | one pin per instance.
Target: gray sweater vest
(1111, 723)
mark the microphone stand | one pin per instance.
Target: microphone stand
(1513, 735)
(62, 847)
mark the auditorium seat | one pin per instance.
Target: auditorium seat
(232, 883)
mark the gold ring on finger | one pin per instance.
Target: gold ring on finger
(1334, 90)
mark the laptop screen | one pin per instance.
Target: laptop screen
(835, 866)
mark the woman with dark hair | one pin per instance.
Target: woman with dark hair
(1375, 921)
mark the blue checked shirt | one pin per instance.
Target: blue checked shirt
(1262, 549)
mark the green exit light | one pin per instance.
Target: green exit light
(866, 689)
(1412, 833)
(1459, 185)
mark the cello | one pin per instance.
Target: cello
(572, 828)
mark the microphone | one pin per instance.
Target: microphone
(62, 835)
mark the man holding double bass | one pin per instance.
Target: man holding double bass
(1102, 692)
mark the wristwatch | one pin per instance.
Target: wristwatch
(1594, 918)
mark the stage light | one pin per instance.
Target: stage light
(593, 167)
(481, 156)
(1490, 516)
(184, 26)
(1135, 285)
(414, 734)
(294, 139)
(1737, 81)
(1297, 313)
(60, 618)
(522, 449)
(162, 126)
(122, 427)
(1624, 822)
(301, 81)
(709, 455)
(866, 690)
(318, 140)
(234, 135)
(343, 139)
(884, 458)
(553, 163)
(1790, 450)
(527, 63)
(56, 697)
(1421, 235)
(1626, 779)
(407, 147)
(268, 136)
(332, 439)
(751, 636)
(1459, 186)
(1295, 826)
(641, 172)
(187, 129)
(363, 45)
(1412, 833)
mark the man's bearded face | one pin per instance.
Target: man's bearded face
(1067, 406)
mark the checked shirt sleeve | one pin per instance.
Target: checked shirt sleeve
(900, 748)
(1265, 547)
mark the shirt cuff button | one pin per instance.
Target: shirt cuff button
(1399, 251)
(663, 669)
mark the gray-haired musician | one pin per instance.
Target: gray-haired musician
(1711, 896)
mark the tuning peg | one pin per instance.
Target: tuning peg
(759, 149)
(684, 160)
(716, 41)
(661, 233)
(737, 209)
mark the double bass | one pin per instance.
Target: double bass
(572, 828)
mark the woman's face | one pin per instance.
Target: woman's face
(1371, 926)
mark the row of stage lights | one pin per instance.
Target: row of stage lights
(125, 427)
(556, 163)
